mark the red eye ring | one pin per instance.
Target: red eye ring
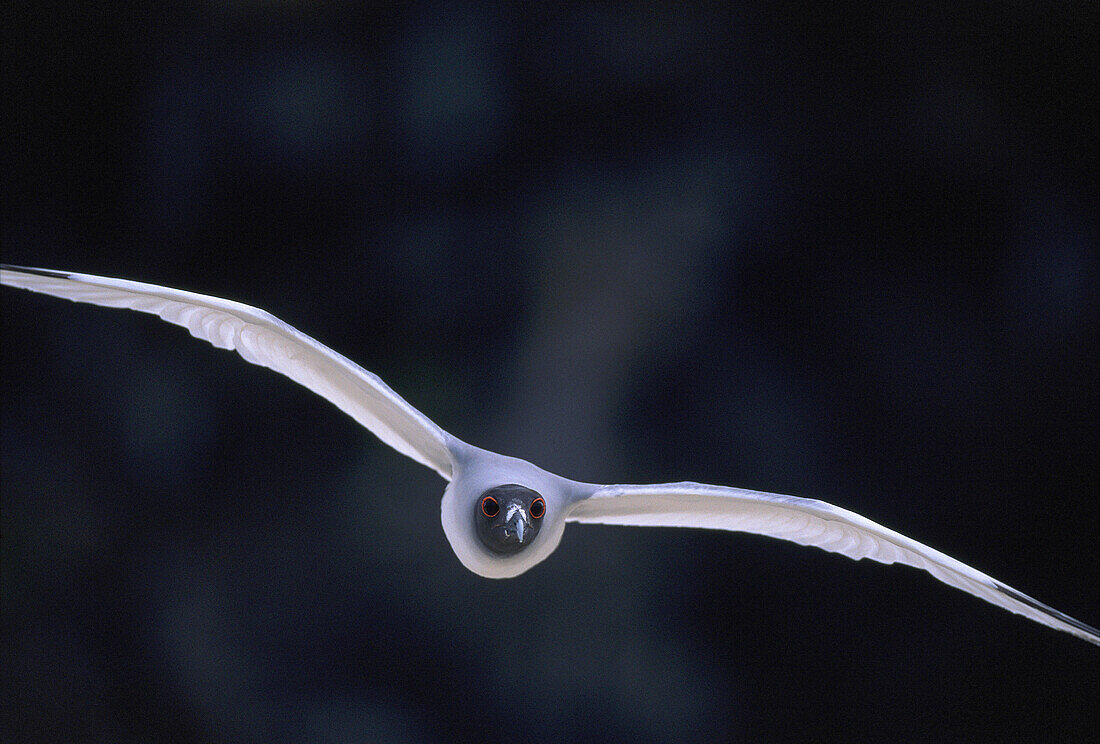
(490, 507)
(538, 508)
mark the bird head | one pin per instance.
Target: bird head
(507, 517)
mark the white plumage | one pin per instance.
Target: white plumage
(262, 339)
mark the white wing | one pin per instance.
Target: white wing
(806, 522)
(262, 339)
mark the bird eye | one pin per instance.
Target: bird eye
(538, 508)
(489, 507)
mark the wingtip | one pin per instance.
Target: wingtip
(1080, 629)
(40, 272)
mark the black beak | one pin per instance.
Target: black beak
(512, 530)
(516, 523)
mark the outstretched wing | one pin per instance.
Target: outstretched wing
(806, 522)
(262, 339)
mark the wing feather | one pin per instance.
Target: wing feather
(806, 522)
(263, 339)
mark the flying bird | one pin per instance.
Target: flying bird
(503, 515)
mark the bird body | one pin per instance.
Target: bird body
(476, 471)
(503, 515)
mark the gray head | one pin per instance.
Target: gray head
(508, 517)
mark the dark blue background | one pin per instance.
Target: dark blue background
(851, 257)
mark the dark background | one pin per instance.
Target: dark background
(851, 257)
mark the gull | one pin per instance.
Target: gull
(503, 515)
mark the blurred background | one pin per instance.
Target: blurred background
(851, 257)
